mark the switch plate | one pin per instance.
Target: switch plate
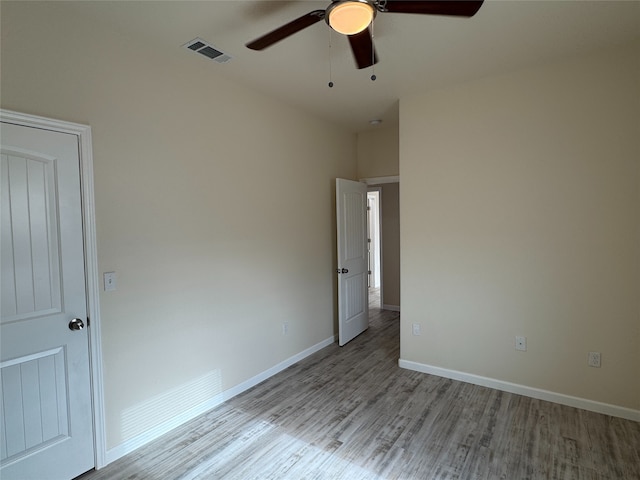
(285, 328)
(109, 281)
(416, 329)
(521, 344)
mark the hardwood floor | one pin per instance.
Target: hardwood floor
(351, 413)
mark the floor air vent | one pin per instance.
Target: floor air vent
(206, 49)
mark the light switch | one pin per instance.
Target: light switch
(109, 281)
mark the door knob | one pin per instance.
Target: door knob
(345, 270)
(76, 324)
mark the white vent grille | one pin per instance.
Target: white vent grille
(205, 49)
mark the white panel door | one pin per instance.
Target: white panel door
(353, 296)
(45, 405)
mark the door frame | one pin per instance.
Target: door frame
(379, 239)
(85, 151)
(371, 183)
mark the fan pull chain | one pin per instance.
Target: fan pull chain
(373, 54)
(330, 73)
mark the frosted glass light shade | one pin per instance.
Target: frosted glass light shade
(351, 17)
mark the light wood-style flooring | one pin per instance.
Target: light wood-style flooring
(351, 413)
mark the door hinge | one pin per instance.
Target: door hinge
(88, 322)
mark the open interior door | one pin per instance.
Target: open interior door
(353, 296)
(46, 423)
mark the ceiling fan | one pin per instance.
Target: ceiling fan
(353, 17)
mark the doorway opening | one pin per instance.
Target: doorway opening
(374, 246)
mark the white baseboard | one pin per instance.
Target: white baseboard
(159, 430)
(585, 404)
(393, 308)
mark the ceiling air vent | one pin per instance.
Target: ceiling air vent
(206, 49)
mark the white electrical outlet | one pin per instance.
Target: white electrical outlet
(417, 329)
(594, 359)
(521, 344)
(285, 328)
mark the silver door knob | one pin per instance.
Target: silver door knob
(76, 324)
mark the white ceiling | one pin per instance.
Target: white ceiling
(417, 52)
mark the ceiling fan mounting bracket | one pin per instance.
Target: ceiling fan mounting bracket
(381, 5)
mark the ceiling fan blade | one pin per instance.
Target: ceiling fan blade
(286, 30)
(460, 8)
(363, 50)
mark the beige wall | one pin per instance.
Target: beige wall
(520, 208)
(204, 209)
(378, 154)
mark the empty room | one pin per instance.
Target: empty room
(185, 288)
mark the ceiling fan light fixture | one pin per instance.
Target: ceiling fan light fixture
(351, 16)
